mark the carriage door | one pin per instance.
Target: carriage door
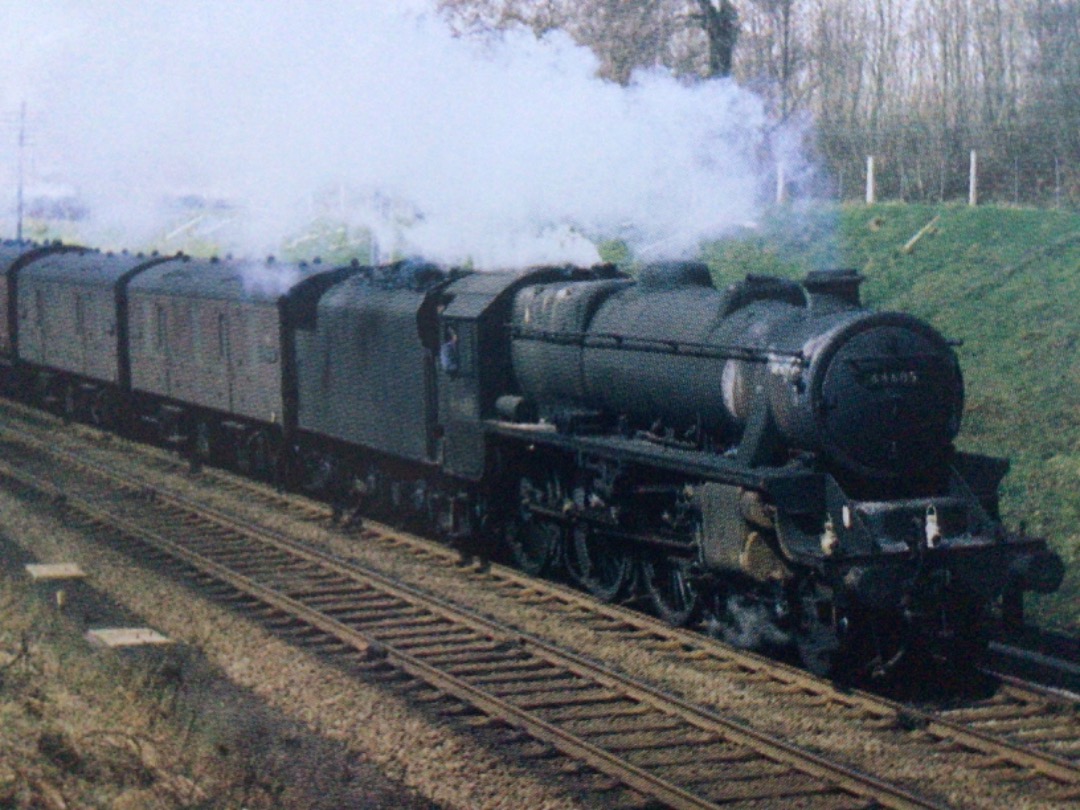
(39, 343)
(82, 348)
(225, 355)
(161, 345)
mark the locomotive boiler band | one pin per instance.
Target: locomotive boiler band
(773, 453)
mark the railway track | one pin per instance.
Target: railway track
(1022, 733)
(650, 743)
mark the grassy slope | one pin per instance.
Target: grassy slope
(1007, 283)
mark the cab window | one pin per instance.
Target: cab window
(457, 351)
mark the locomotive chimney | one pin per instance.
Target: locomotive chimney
(825, 287)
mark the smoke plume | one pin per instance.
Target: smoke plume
(268, 113)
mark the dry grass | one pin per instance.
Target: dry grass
(149, 730)
(83, 729)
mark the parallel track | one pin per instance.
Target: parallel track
(1021, 733)
(1056, 668)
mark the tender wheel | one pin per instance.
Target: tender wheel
(667, 583)
(44, 395)
(202, 442)
(168, 422)
(316, 471)
(256, 455)
(603, 569)
(102, 410)
(70, 403)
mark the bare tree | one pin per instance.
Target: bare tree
(485, 16)
(917, 82)
(720, 22)
(1054, 105)
(624, 34)
(774, 59)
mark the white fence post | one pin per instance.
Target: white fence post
(871, 193)
(781, 185)
(973, 179)
(1057, 182)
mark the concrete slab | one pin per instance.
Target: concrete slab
(125, 637)
(47, 572)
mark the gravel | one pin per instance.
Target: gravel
(410, 758)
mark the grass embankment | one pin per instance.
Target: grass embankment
(1007, 283)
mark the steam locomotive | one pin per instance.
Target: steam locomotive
(772, 461)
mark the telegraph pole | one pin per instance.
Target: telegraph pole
(22, 149)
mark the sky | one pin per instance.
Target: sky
(499, 151)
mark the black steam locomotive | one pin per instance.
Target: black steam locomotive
(771, 460)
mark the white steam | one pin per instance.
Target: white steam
(505, 151)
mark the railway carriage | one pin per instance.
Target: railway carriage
(70, 327)
(211, 370)
(13, 257)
